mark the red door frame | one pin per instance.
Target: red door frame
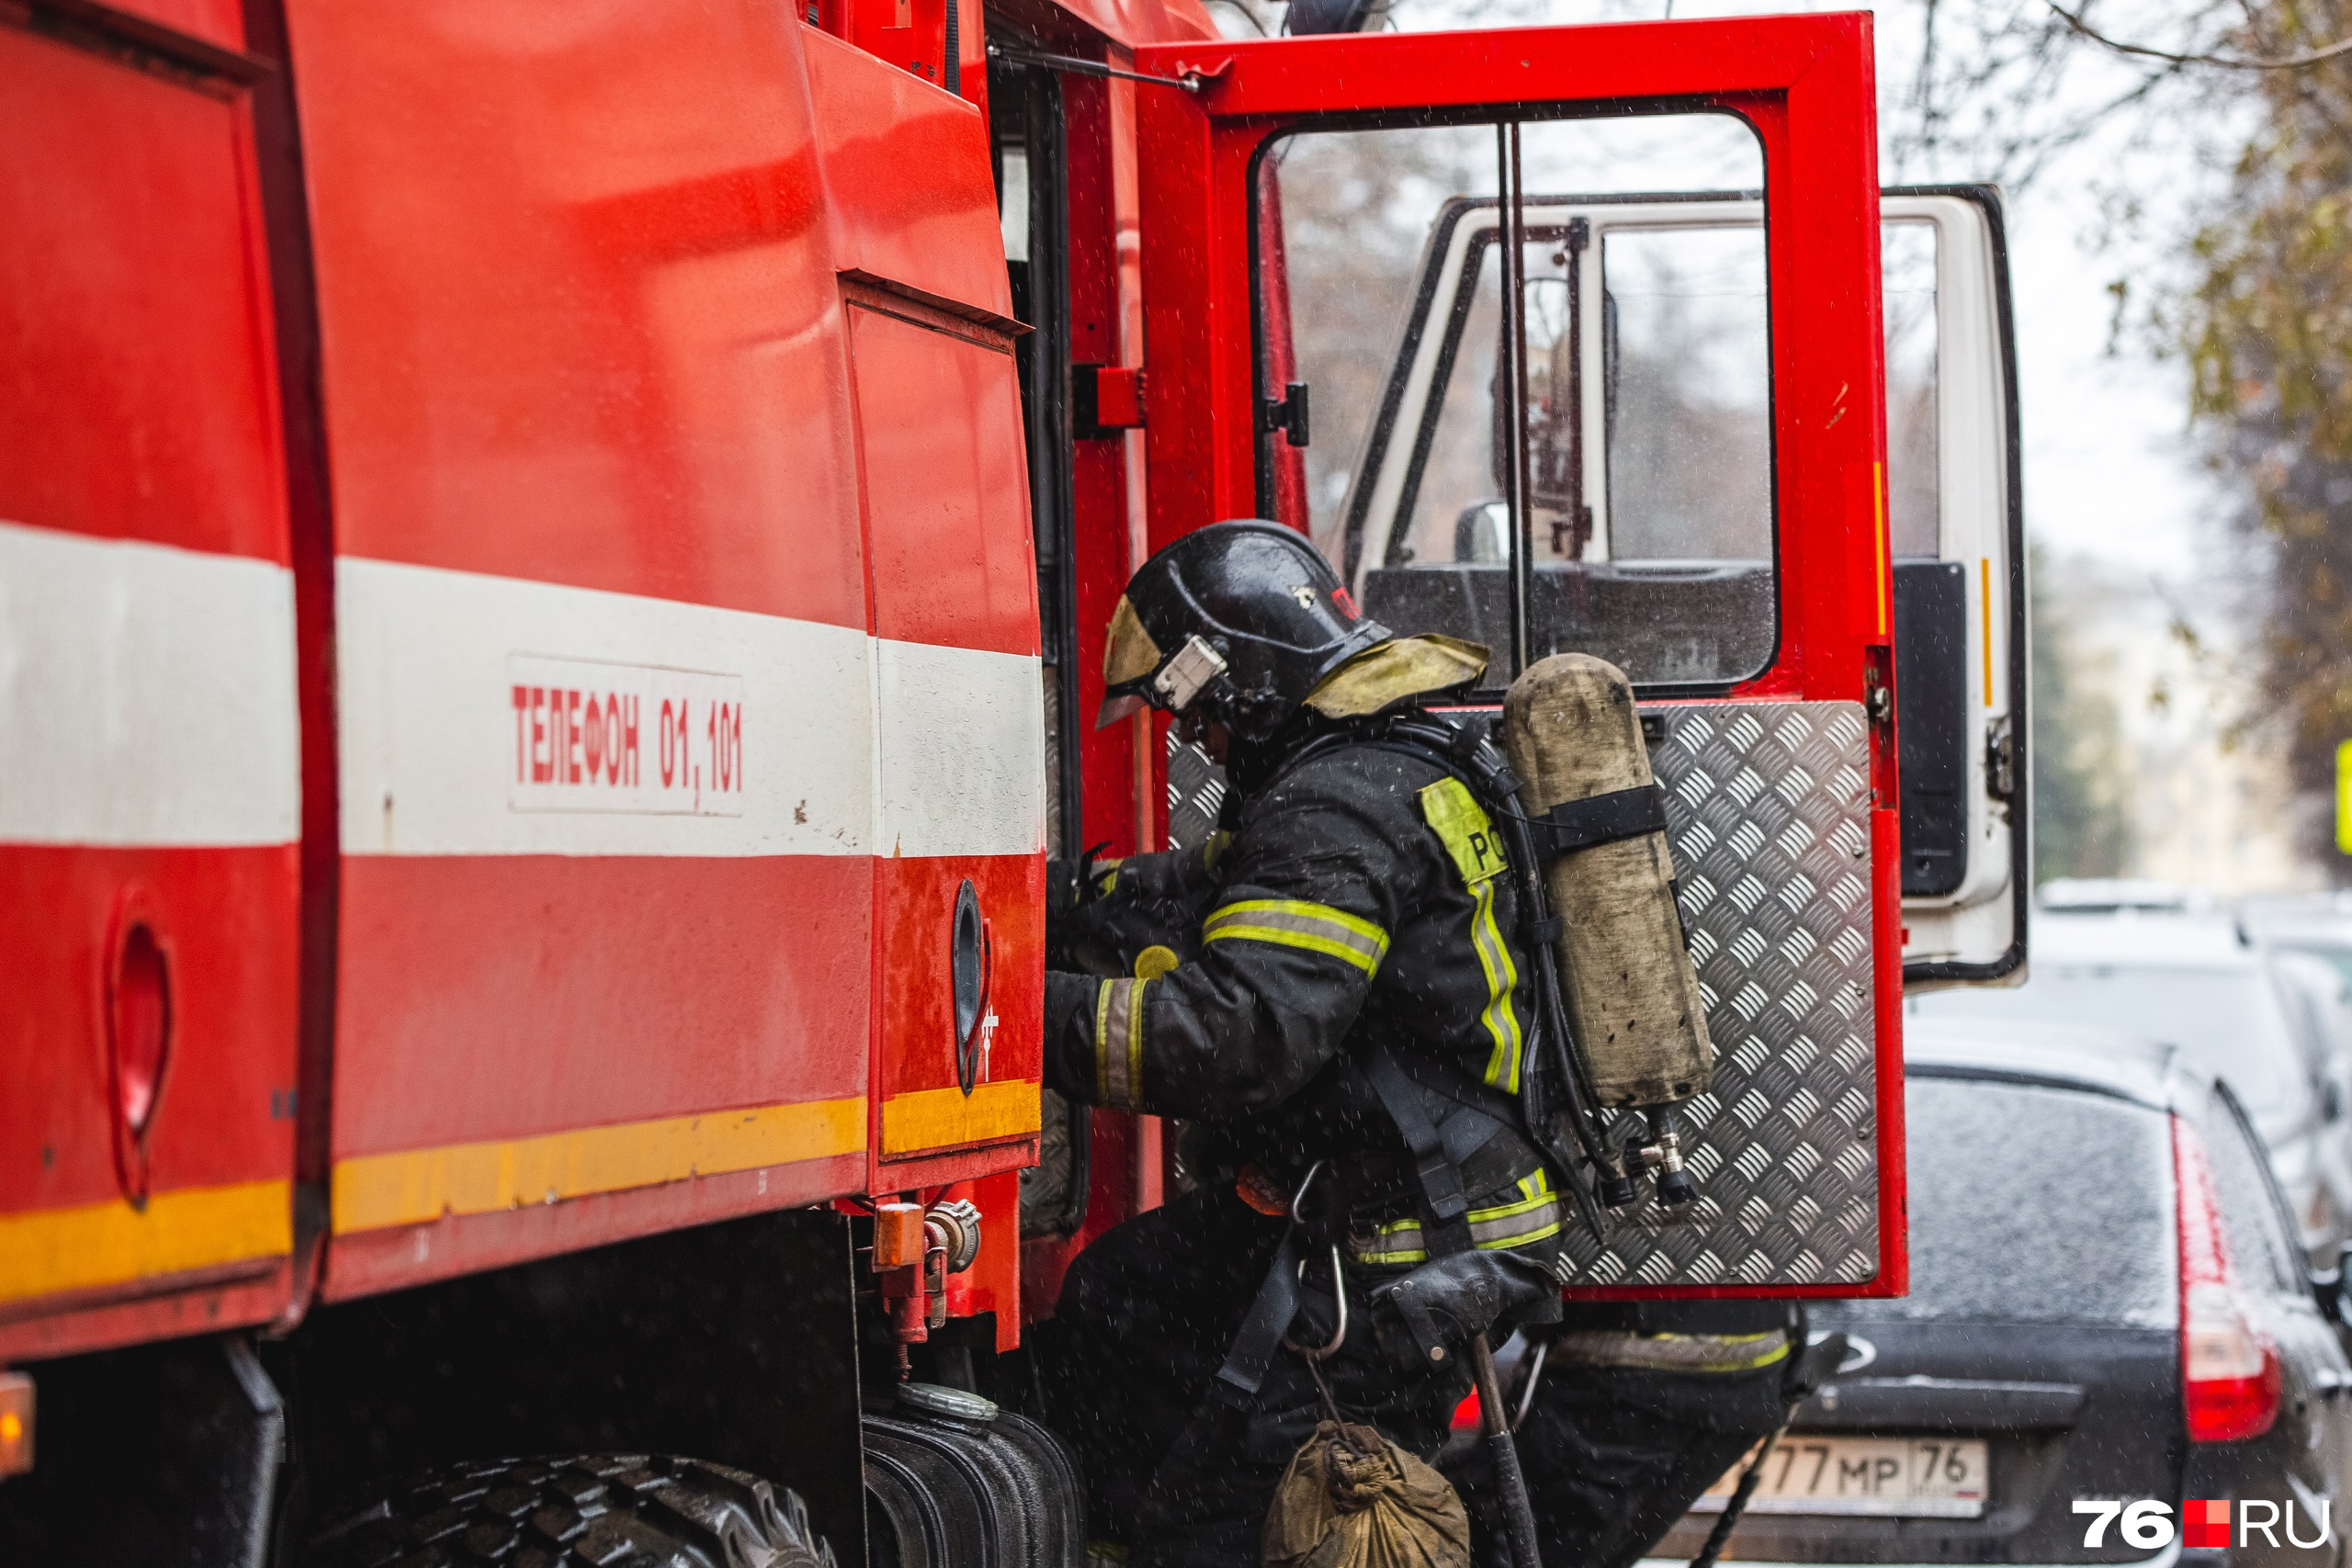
(1807, 86)
(1804, 83)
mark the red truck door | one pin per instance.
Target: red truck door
(149, 778)
(1292, 190)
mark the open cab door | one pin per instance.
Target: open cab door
(1372, 314)
(1956, 518)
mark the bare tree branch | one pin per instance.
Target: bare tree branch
(2230, 62)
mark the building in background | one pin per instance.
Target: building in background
(2149, 759)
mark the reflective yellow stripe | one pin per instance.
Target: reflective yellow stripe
(1287, 922)
(1531, 1216)
(373, 1191)
(943, 1118)
(1461, 824)
(1535, 1215)
(1501, 1019)
(1102, 1033)
(1118, 1044)
(1410, 1255)
(1673, 1352)
(49, 1250)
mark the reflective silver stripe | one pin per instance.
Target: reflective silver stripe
(1673, 1352)
(1530, 1218)
(1118, 1044)
(1290, 922)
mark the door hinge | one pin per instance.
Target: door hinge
(2000, 758)
(1288, 415)
(1105, 399)
(1878, 707)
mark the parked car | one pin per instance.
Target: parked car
(2319, 924)
(2112, 895)
(2233, 1005)
(2117, 1310)
(2316, 933)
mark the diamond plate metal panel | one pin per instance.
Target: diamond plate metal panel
(1767, 816)
(1195, 793)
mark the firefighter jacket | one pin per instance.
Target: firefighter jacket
(1360, 906)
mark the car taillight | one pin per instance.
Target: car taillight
(2229, 1368)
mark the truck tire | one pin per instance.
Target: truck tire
(602, 1510)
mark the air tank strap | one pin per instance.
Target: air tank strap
(1599, 819)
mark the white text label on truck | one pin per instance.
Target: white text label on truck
(624, 737)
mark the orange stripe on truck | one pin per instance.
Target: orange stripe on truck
(944, 1118)
(372, 1191)
(51, 1250)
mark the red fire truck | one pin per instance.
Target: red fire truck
(553, 561)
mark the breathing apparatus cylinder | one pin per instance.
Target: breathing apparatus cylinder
(1632, 1000)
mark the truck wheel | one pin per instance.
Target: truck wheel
(571, 1512)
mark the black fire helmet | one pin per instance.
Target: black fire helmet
(1236, 622)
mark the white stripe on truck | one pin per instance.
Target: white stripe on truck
(489, 715)
(146, 694)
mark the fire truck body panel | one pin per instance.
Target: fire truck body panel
(150, 788)
(218, 23)
(686, 622)
(643, 382)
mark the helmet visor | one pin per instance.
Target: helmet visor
(1129, 654)
(1129, 657)
(1116, 708)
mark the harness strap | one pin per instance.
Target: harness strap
(1448, 1229)
(1263, 1327)
(1465, 1131)
(1599, 819)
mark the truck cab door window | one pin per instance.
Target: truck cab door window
(1907, 258)
(1688, 399)
(1343, 219)
(1645, 417)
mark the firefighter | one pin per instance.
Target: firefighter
(1332, 994)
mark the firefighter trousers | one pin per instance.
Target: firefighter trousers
(1615, 1455)
(1174, 1473)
